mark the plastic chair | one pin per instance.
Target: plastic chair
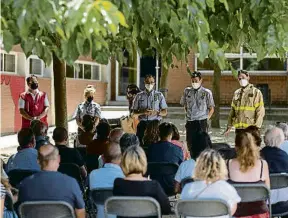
(164, 173)
(46, 209)
(16, 176)
(253, 192)
(202, 208)
(132, 207)
(186, 181)
(73, 171)
(279, 181)
(100, 195)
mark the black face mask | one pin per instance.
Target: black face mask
(34, 86)
(90, 98)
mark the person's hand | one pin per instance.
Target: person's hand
(152, 112)
(227, 131)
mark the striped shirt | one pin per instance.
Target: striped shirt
(3, 191)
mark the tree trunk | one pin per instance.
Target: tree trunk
(216, 95)
(164, 80)
(60, 92)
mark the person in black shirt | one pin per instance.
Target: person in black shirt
(68, 155)
(134, 166)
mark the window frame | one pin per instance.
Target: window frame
(2, 53)
(28, 65)
(85, 63)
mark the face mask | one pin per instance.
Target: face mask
(149, 87)
(243, 82)
(34, 86)
(196, 85)
(90, 98)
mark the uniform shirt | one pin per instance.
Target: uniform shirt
(197, 103)
(149, 101)
(93, 109)
(21, 101)
(247, 108)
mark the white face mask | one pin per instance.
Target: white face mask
(243, 82)
(149, 87)
(196, 85)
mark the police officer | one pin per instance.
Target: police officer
(148, 105)
(247, 106)
(199, 107)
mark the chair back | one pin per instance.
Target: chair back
(100, 195)
(46, 209)
(16, 176)
(279, 180)
(132, 207)
(164, 173)
(186, 181)
(9, 201)
(202, 208)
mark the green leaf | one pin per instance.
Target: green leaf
(210, 4)
(8, 40)
(225, 4)
(80, 42)
(203, 48)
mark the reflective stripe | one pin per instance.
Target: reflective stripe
(245, 125)
(247, 108)
(259, 104)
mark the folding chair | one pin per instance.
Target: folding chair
(100, 195)
(16, 176)
(253, 192)
(279, 181)
(202, 208)
(186, 181)
(46, 209)
(132, 207)
(164, 173)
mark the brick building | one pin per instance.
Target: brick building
(111, 81)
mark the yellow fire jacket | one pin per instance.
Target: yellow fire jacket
(247, 108)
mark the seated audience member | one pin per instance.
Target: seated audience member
(99, 145)
(151, 134)
(284, 127)
(186, 168)
(68, 155)
(50, 185)
(104, 177)
(134, 166)
(176, 141)
(87, 135)
(115, 135)
(255, 132)
(247, 167)
(277, 160)
(26, 157)
(209, 175)
(40, 132)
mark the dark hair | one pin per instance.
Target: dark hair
(176, 135)
(103, 130)
(60, 134)
(38, 127)
(149, 76)
(128, 140)
(25, 136)
(165, 129)
(255, 132)
(151, 134)
(133, 89)
(202, 141)
(88, 123)
(30, 77)
(243, 72)
(196, 74)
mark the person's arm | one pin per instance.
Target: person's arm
(233, 209)
(177, 187)
(177, 180)
(162, 198)
(25, 114)
(44, 113)
(163, 106)
(79, 203)
(260, 110)
(2, 207)
(266, 174)
(210, 104)
(80, 213)
(80, 162)
(211, 111)
(230, 120)
(78, 119)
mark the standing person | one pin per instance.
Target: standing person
(199, 107)
(247, 107)
(33, 104)
(88, 107)
(148, 105)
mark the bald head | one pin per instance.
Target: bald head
(274, 137)
(113, 153)
(116, 134)
(48, 157)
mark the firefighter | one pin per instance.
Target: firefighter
(247, 106)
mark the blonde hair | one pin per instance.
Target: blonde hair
(210, 167)
(89, 90)
(246, 150)
(134, 161)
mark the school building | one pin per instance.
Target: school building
(111, 80)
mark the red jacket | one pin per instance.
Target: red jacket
(33, 108)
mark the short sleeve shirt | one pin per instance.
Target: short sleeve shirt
(51, 186)
(197, 103)
(70, 155)
(93, 109)
(149, 101)
(21, 102)
(185, 170)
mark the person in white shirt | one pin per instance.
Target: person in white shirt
(185, 170)
(284, 127)
(210, 182)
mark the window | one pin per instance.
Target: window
(36, 66)
(8, 63)
(89, 71)
(267, 64)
